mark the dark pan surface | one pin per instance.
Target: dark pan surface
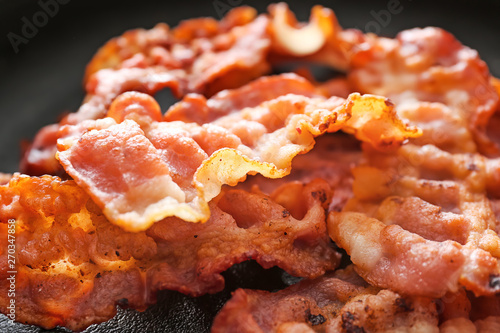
(42, 79)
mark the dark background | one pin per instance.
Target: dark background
(43, 80)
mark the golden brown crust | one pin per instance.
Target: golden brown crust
(338, 302)
(73, 266)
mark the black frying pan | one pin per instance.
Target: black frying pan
(41, 73)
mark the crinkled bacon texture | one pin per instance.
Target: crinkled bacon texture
(421, 220)
(199, 56)
(338, 302)
(421, 210)
(74, 266)
(344, 302)
(140, 170)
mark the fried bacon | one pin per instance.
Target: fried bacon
(73, 266)
(302, 40)
(332, 159)
(239, 51)
(322, 40)
(204, 50)
(449, 122)
(418, 216)
(343, 302)
(196, 108)
(441, 126)
(445, 89)
(427, 65)
(228, 54)
(423, 210)
(419, 65)
(338, 302)
(192, 162)
(384, 254)
(202, 56)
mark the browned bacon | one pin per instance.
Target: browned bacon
(178, 167)
(418, 216)
(418, 211)
(73, 266)
(201, 56)
(426, 65)
(338, 302)
(419, 65)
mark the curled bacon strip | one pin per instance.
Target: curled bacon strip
(73, 266)
(419, 65)
(419, 209)
(383, 254)
(182, 166)
(202, 56)
(322, 40)
(198, 51)
(427, 65)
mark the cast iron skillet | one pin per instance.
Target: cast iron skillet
(41, 73)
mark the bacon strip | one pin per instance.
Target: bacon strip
(419, 65)
(73, 266)
(419, 209)
(178, 47)
(383, 254)
(321, 41)
(427, 65)
(182, 166)
(196, 108)
(201, 56)
(338, 302)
